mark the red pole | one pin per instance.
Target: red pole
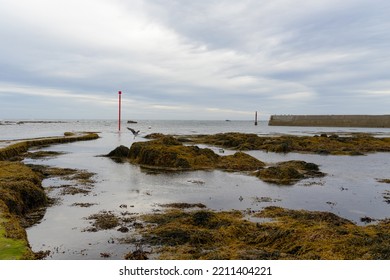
(119, 117)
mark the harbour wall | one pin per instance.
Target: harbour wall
(331, 120)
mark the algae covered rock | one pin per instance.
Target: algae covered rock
(20, 188)
(166, 152)
(357, 144)
(232, 140)
(285, 234)
(119, 152)
(20, 193)
(240, 162)
(17, 149)
(289, 172)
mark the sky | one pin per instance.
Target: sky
(182, 59)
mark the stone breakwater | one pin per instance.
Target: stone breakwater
(331, 120)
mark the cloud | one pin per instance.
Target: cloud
(296, 96)
(230, 111)
(12, 89)
(233, 56)
(375, 93)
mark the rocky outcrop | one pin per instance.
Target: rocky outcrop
(289, 172)
(168, 153)
(119, 152)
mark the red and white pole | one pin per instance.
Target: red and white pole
(119, 115)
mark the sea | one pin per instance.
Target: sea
(350, 189)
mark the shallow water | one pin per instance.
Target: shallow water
(350, 188)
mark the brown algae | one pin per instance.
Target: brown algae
(289, 172)
(357, 144)
(183, 205)
(21, 194)
(103, 220)
(386, 181)
(168, 153)
(20, 188)
(43, 154)
(19, 148)
(81, 177)
(291, 234)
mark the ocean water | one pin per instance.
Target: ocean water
(350, 189)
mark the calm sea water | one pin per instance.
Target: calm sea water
(350, 189)
(12, 130)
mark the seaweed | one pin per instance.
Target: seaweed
(285, 234)
(43, 154)
(166, 152)
(19, 148)
(289, 172)
(103, 220)
(386, 181)
(184, 205)
(20, 188)
(21, 194)
(357, 144)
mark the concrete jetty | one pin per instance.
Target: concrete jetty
(331, 120)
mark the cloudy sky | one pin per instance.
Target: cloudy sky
(186, 59)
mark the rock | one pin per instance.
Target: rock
(123, 229)
(168, 153)
(184, 205)
(119, 152)
(289, 172)
(240, 162)
(138, 254)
